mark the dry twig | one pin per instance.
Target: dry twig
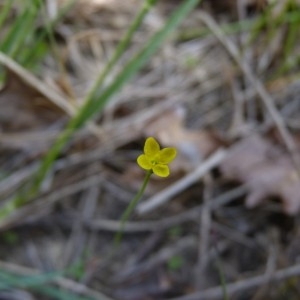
(182, 184)
(257, 85)
(243, 285)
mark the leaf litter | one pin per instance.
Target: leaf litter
(266, 169)
(183, 98)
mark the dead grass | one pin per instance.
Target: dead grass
(203, 95)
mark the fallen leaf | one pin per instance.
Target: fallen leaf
(23, 108)
(193, 145)
(267, 171)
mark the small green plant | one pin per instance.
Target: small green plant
(77, 269)
(154, 160)
(175, 232)
(175, 263)
(10, 237)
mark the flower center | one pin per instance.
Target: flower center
(153, 162)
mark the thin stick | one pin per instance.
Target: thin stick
(242, 285)
(159, 225)
(182, 184)
(204, 232)
(37, 84)
(257, 85)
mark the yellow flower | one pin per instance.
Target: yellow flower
(156, 159)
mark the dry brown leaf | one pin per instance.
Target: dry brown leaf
(23, 108)
(266, 170)
(193, 145)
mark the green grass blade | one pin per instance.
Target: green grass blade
(21, 30)
(39, 283)
(5, 11)
(96, 102)
(32, 55)
(148, 4)
(100, 98)
(10, 280)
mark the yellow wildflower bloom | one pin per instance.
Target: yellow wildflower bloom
(156, 159)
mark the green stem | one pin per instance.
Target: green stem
(130, 208)
(221, 274)
(148, 4)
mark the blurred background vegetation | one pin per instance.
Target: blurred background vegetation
(83, 83)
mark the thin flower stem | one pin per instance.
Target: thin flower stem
(223, 281)
(221, 274)
(130, 208)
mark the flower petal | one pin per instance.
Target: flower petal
(161, 170)
(144, 162)
(151, 147)
(166, 155)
